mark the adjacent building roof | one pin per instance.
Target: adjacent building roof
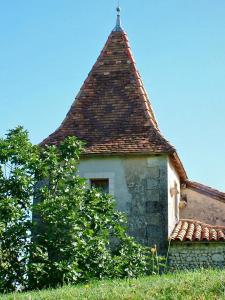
(195, 231)
(205, 190)
(112, 113)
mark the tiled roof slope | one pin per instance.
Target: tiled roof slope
(206, 190)
(112, 112)
(195, 231)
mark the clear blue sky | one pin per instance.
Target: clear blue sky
(48, 47)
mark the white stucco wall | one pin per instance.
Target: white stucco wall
(112, 168)
(173, 192)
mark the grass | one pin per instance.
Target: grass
(201, 285)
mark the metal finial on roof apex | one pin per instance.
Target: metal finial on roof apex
(118, 20)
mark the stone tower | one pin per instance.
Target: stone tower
(125, 152)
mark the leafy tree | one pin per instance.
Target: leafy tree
(75, 233)
(17, 156)
(76, 225)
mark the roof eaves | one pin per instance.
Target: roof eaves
(179, 166)
(188, 230)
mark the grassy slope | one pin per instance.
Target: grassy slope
(204, 284)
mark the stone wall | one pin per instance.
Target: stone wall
(203, 208)
(140, 186)
(196, 255)
(148, 186)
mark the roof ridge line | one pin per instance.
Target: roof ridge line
(206, 190)
(141, 84)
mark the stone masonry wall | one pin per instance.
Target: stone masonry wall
(140, 187)
(148, 212)
(196, 255)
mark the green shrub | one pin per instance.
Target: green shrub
(76, 234)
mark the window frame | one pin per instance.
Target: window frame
(105, 186)
(102, 175)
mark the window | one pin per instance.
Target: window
(100, 183)
(108, 177)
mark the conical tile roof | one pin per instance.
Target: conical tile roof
(112, 113)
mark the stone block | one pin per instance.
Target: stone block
(154, 219)
(140, 232)
(152, 183)
(153, 195)
(203, 258)
(154, 172)
(152, 206)
(138, 211)
(152, 231)
(217, 257)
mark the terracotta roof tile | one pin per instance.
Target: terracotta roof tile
(191, 230)
(221, 235)
(112, 113)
